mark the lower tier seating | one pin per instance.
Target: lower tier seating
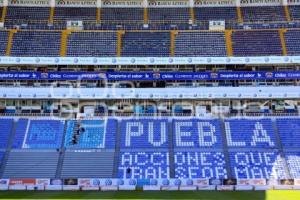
(151, 148)
(88, 164)
(31, 164)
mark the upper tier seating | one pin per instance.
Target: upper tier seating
(92, 44)
(3, 42)
(146, 44)
(295, 12)
(256, 43)
(197, 133)
(36, 43)
(200, 44)
(144, 165)
(85, 134)
(6, 126)
(202, 164)
(215, 13)
(289, 132)
(144, 133)
(75, 14)
(263, 13)
(169, 15)
(122, 15)
(27, 13)
(292, 41)
(257, 164)
(44, 134)
(250, 133)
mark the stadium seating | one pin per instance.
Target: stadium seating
(88, 164)
(6, 126)
(122, 15)
(294, 12)
(144, 165)
(35, 164)
(204, 164)
(289, 132)
(92, 44)
(215, 13)
(257, 164)
(91, 134)
(256, 43)
(292, 38)
(75, 14)
(263, 13)
(27, 13)
(200, 44)
(3, 42)
(250, 133)
(293, 161)
(144, 133)
(36, 43)
(44, 134)
(197, 133)
(169, 15)
(21, 127)
(143, 44)
(184, 148)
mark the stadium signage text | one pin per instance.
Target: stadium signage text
(208, 3)
(260, 2)
(117, 3)
(35, 3)
(150, 76)
(76, 3)
(158, 3)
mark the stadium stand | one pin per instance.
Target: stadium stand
(256, 43)
(85, 134)
(256, 164)
(200, 44)
(35, 164)
(6, 126)
(75, 14)
(27, 13)
(122, 15)
(263, 13)
(88, 164)
(44, 134)
(292, 42)
(38, 43)
(169, 15)
(92, 44)
(127, 132)
(146, 44)
(216, 13)
(3, 42)
(294, 12)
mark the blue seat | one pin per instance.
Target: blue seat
(6, 126)
(44, 134)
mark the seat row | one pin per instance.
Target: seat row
(150, 44)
